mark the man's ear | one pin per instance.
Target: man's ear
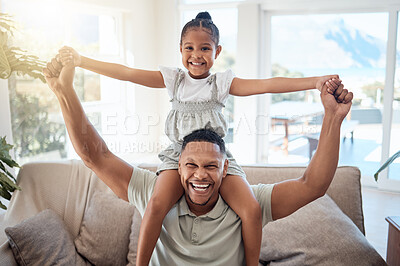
(226, 164)
(218, 51)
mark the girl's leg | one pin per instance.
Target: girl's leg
(167, 191)
(235, 190)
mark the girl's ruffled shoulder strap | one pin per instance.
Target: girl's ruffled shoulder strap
(178, 79)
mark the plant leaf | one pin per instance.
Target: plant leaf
(5, 153)
(3, 206)
(7, 183)
(2, 167)
(15, 59)
(4, 193)
(386, 164)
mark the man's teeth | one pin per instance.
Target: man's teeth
(200, 187)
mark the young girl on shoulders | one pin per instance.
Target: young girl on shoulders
(197, 98)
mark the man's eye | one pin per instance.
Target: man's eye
(191, 165)
(211, 167)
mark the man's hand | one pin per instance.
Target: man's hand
(58, 77)
(338, 104)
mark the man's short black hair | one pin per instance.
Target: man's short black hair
(206, 135)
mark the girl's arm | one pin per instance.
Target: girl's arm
(246, 87)
(146, 78)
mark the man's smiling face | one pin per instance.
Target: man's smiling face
(201, 167)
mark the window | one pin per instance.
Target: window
(360, 47)
(38, 128)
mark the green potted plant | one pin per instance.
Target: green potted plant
(12, 60)
(386, 164)
(7, 180)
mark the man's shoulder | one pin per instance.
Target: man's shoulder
(263, 194)
(261, 187)
(141, 187)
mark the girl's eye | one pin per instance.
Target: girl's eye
(205, 48)
(189, 48)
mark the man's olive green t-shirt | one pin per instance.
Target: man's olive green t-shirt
(214, 238)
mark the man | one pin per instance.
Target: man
(200, 228)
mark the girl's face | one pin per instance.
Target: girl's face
(198, 52)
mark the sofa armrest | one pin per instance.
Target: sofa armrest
(6, 255)
(62, 186)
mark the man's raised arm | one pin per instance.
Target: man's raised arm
(88, 144)
(290, 195)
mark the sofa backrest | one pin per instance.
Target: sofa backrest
(67, 186)
(345, 188)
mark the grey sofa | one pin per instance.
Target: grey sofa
(90, 225)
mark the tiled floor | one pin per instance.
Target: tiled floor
(377, 206)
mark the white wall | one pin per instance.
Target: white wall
(5, 116)
(245, 131)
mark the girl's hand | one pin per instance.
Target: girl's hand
(67, 54)
(321, 81)
(333, 85)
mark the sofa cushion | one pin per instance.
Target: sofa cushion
(104, 234)
(317, 234)
(134, 237)
(43, 240)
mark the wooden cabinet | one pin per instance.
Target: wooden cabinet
(393, 246)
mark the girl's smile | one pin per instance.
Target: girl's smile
(199, 52)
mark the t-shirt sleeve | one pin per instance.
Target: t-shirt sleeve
(141, 188)
(169, 75)
(263, 193)
(224, 81)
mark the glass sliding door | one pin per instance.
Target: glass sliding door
(394, 169)
(352, 45)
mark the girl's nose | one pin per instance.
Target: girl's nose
(196, 54)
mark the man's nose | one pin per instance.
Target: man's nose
(201, 173)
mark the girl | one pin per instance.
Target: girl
(197, 98)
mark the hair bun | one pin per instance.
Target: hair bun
(204, 15)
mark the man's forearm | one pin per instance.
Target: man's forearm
(322, 167)
(85, 139)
